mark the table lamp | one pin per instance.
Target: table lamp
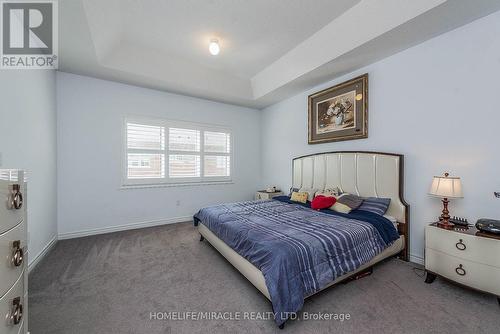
(446, 187)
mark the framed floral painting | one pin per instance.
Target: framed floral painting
(339, 112)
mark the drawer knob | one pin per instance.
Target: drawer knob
(16, 199)
(17, 311)
(460, 245)
(17, 254)
(460, 270)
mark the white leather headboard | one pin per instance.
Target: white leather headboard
(366, 174)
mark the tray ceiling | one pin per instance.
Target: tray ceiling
(269, 49)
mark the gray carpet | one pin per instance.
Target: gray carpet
(110, 283)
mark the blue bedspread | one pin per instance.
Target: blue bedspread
(298, 250)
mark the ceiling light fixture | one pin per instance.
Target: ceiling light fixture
(214, 47)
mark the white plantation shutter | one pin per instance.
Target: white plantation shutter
(184, 153)
(184, 166)
(145, 151)
(146, 166)
(183, 140)
(162, 151)
(217, 148)
(217, 166)
(145, 136)
(218, 142)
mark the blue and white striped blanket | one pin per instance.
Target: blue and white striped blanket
(298, 250)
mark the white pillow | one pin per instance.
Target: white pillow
(310, 193)
(332, 191)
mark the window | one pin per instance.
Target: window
(170, 152)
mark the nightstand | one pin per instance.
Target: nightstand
(262, 194)
(465, 256)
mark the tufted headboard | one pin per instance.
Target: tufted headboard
(367, 174)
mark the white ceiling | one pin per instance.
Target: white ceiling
(270, 49)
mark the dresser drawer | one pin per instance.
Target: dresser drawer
(12, 256)
(12, 208)
(476, 275)
(11, 305)
(469, 247)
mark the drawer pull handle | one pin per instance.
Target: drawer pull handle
(460, 245)
(460, 270)
(16, 200)
(18, 254)
(17, 311)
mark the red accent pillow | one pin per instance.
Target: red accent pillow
(322, 202)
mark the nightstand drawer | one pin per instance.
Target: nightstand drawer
(13, 256)
(469, 247)
(475, 275)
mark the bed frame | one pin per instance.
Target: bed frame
(368, 174)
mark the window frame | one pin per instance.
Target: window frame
(167, 180)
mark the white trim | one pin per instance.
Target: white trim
(417, 259)
(162, 185)
(178, 181)
(32, 263)
(125, 227)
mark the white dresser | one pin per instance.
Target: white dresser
(464, 256)
(13, 252)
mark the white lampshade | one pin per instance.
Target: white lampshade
(446, 186)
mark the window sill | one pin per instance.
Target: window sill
(169, 185)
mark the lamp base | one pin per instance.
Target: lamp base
(444, 220)
(445, 224)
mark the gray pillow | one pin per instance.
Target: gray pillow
(375, 205)
(350, 200)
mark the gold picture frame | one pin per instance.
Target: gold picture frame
(339, 113)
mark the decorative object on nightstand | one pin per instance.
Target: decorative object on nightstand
(486, 225)
(271, 189)
(264, 194)
(446, 187)
(459, 222)
(465, 256)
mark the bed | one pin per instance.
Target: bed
(289, 252)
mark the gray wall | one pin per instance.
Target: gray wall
(436, 103)
(28, 141)
(90, 152)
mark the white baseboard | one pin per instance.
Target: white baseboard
(417, 259)
(117, 228)
(33, 263)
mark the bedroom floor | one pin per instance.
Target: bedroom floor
(111, 283)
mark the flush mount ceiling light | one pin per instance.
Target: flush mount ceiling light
(214, 47)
